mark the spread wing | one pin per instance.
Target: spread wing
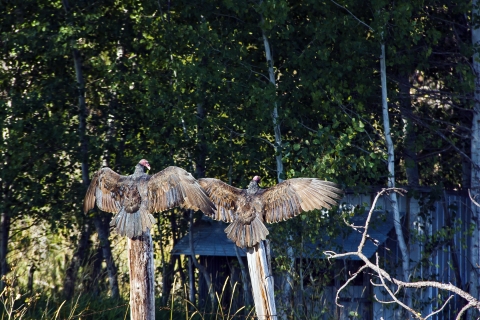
(293, 196)
(174, 187)
(224, 196)
(104, 189)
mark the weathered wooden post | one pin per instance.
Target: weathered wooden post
(142, 284)
(260, 270)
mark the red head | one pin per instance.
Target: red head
(145, 163)
(256, 178)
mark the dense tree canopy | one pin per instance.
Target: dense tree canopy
(186, 83)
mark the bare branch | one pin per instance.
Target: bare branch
(382, 301)
(384, 275)
(439, 310)
(464, 309)
(346, 284)
(416, 314)
(472, 198)
(370, 28)
(354, 227)
(367, 223)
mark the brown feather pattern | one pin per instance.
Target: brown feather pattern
(248, 209)
(135, 197)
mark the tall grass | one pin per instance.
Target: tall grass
(192, 311)
(45, 306)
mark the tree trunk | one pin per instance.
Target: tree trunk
(391, 175)
(262, 281)
(31, 272)
(103, 230)
(84, 243)
(201, 145)
(101, 219)
(168, 268)
(410, 152)
(286, 290)
(4, 235)
(91, 284)
(475, 155)
(276, 122)
(78, 257)
(142, 283)
(191, 284)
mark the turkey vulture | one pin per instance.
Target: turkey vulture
(135, 197)
(246, 210)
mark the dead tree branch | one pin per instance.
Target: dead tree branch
(387, 279)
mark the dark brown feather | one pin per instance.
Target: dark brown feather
(247, 209)
(224, 196)
(104, 188)
(173, 187)
(135, 197)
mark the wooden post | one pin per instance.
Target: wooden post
(262, 280)
(142, 284)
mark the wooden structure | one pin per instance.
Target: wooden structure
(212, 245)
(218, 255)
(261, 277)
(142, 289)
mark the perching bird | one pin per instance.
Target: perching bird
(135, 197)
(248, 209)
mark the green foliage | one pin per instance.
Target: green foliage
(150, 67)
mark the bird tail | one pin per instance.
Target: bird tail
(132, 224)
(246, 235)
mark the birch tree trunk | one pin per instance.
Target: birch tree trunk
(276, 124)
(391, 174)
(142, 284)
(475, 154)
(287, 288)
(278, 156)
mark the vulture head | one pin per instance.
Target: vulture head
(145, 163)
(256, 179)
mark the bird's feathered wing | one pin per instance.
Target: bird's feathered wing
(224, 196)
(174, 187)
(104, 189)
(293, 196)
(134, 198)
(246, 212)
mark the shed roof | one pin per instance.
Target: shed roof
(210, 239)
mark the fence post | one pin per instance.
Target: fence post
(142, 284)
(262, 280)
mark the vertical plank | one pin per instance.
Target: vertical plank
(142, 290)
(262, 281)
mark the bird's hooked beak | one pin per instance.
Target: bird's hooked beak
(145, 163)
